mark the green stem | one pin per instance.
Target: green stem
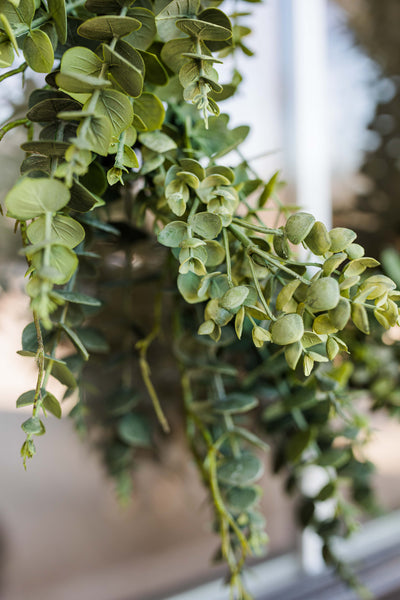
(187, 133)
(12, 125)
(22, 29)
(143, 346)
(258, 228)
(259, 291)
(19, 69)
(228, 257)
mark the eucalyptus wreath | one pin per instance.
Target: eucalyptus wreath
(124, 145)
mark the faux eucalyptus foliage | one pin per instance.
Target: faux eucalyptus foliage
(124, 145)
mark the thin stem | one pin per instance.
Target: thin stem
(19, 69)
(12, 125)
(40, 363)
(22, 29)
(143, 346)
(259, 291)
(259, 228)
(187, 134)
(228, 257)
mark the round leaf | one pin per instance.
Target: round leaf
(235, 403)
(318, 240)
(287, 329)
(31, 198)
(64, 231)
(240, 471)
(341, 237)
(241, 499)
(207, 225)
(323, 294)
(63, 263)
(106, 27)
(298, 226)
(134, 430)
(38, 51)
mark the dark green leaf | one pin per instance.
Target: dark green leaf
(51, 404)
(38, 51)
(106, 27)
(240, 471)
(134, 430)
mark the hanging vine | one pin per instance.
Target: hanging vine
(124, 144)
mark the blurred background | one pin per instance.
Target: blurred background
(322, 94)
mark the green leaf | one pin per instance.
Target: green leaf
(173, 52)
(51, 404)
(340, 314)
(63, 263)
(359, 265)
(121, 401)
(48, 109)
(298, 226)
(26, 399)
(154, 69)
(240, 499)
(9, 32)
(134, 430)
(64, 230)
(98, 135)
(63, 375)
(38, 51)
(106, 27)
(167, 17)
(268, 190)
(333, 262)
(341, 237)
(332, 348)
(293, 353)
(59, 14)
(143, 37)
(128, 76)
(189, 285)
(323, 325)
(157, 141)
(93, 339)
(218, 140)
(31, 198)
(287, 329)
(234, 297)
(203, 30)
(235, 403)
(323, 294)
(173, 234)
(286, 293)
(25, 10)
(6, 54)
(82, 200)
(297, 443)
(318, 240)
(75, 339)
(326, 492)
(215, 253)
(115, 106)
(150, 110)
(207, 225)
(81, 84)
(334, 457)
(240, 471)
(81, 61)
(32, 426)
(78, 298)
(46, 147)
(359, 317)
